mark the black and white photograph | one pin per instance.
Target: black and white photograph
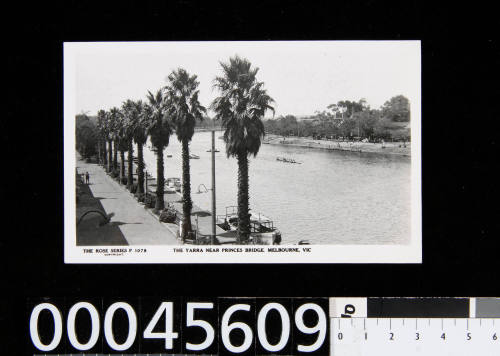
(274, 178)
(242, 152)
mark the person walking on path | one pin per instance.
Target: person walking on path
(87, 178)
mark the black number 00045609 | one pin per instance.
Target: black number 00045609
(233, 328)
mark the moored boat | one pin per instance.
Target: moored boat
(174, 184)
(262, 229)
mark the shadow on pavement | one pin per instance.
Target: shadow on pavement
(93, 230)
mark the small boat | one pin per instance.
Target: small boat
(216, 150)
(262, 229)
(174, 184)
(287, 160)
(169, 156)
(193, 156)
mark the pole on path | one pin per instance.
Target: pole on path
(213, 189)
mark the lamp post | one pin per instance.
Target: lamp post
(213, 189)
(214, 216)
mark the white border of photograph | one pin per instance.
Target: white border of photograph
(410, 253)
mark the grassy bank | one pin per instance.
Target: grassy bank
(396, 148)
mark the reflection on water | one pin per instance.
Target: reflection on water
(333, 197)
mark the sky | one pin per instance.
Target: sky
(301, 76)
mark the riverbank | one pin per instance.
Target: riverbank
(201, 219)
(391, 148)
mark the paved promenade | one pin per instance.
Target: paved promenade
(137, 225)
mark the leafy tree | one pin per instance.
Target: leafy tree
(185, 110)
(288, 125)
(348, 126)
(86, 136)
(159, 129)
(350, 107)
(366, 121)
(397, 109)
(241, 106)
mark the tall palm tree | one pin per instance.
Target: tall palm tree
(240, 107)
(140, 137)
(122, 140)
(129, 122)
(109, 140)
(159, 130)
(114, 118)
(103, 134)
(184, 109)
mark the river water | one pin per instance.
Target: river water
(333, 197)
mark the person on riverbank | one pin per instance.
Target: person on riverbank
(87, 178)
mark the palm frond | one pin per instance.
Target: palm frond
(241, 105)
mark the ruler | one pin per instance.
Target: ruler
(415, 336)
(414, 326)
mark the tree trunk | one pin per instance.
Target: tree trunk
(187, 204)
(104, 154)
(160, 180)
(110, 156)
(243, 209)
(115, 155)
(130, 176)
(122, 165)
(99, 152)
(140, 173)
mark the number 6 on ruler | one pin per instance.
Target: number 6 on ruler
(319, 328)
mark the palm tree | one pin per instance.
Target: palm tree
(114, 117)
(140, 137)
(159, 130)
(103, 134)
(184, 109)
(240, 107)
(129, 122)
(109, 140)
(122, 140)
